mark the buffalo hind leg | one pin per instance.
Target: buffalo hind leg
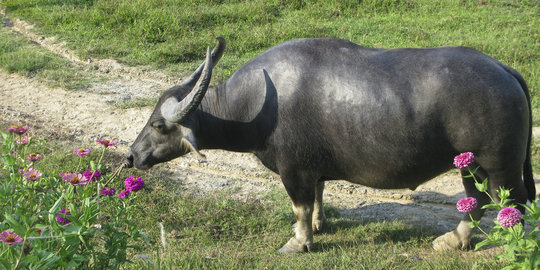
(460, 237)
(509, 178)
(301, 190)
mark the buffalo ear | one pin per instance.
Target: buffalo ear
(189, 140)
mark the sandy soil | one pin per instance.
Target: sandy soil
(90, 114)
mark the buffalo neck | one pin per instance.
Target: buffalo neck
(229, 121)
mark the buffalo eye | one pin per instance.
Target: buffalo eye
(159, 126)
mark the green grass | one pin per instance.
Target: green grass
(19, 55)
(172, 35)
(217, 231)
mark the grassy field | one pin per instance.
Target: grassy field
(220, 232)
(172, 35)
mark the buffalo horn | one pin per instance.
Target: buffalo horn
(217, 52)
(180, 110)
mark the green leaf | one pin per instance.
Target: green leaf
(17, 227)
(482, 187)
(503, 193)
(483, 243)
(492, 206)
(54, 209)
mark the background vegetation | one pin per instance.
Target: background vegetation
(172, 34)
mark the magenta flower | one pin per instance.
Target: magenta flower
(134, 183)
(108, 191)
(75, 179)
(467, 204)
(63, 220)
(10, 238)
(463, 160)
(508, 217)
(123, 194)
(92, 175)
(106, 142)
(18, 129)
(32, 174)
(23, 140)
(34, 157)
(81, 151)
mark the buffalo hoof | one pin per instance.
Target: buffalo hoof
(450, 241)
(294, 246)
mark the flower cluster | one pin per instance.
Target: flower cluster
(10, 238)
(467, 204)
(106, 142)
(132, 184)
(33, 157)
(108, 191)
(82, 151)
(78, 214)
(509, 230)
(92, 175)
(17, 129)
(509, 217)
(463, 160)
(23, 140)
(32, 175)
(62, 220)
(75, 179)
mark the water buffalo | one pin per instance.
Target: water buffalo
(321, 109)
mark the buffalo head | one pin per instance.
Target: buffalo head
(167, 134)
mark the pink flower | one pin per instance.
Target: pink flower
(463, 160)
(467, 204)
(106, 142)
(23, 140)
(508, 217)
(123, 194)
(10, 238)
(63, 220)
(108, 191)
(18, 129)
(75, 179)
(34, 157)
(134, 183)
(81, 151)
(92, 175)
(32, 174)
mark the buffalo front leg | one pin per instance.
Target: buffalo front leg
(301, 190)
(318, 213)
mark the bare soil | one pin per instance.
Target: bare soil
(86, 115)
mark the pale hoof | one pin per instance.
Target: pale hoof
(294, 246)
(450, 241)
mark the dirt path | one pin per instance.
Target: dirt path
(90, 114)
